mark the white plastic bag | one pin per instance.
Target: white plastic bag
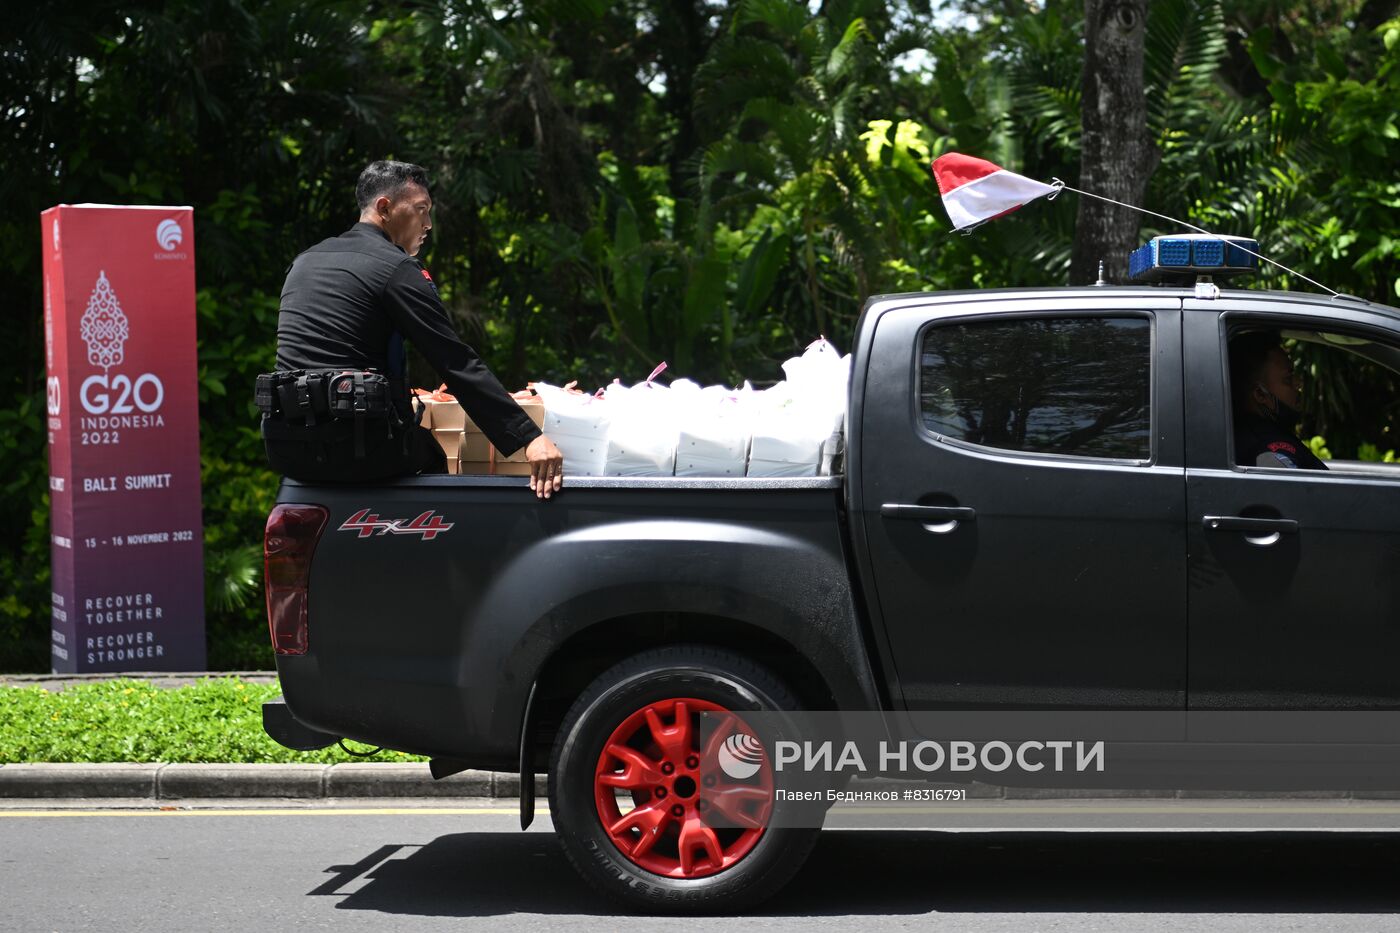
(715, 431)
(578, 425)
(820, 376)
(788, 435)
(799, 427)
(642, 434)
(649, 429)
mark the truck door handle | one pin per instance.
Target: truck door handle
(1260, 531)
(939, 519)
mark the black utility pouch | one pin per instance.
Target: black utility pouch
(366, 400)
(294, 396)
(265, 393)
(322, 416)
(360, 394)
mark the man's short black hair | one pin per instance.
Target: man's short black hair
(385, 178)
(1249, 354)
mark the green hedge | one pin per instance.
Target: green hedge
(215, 720)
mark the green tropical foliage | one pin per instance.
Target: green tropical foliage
(620, 182)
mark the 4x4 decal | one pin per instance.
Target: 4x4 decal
(428, 524)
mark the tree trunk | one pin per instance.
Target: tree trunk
(1116, 158)
(683, 38)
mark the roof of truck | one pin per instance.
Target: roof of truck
(1061, 291)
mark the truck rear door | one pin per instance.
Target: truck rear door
(1022, 496)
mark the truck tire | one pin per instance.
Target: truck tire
(636, 732)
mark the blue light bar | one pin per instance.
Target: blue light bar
(1183, 256)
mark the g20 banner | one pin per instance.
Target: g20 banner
(123, 425)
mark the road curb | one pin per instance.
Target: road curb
(55, 683)
(79, 780)
(404, 780)
(284, 781)
(176, 781)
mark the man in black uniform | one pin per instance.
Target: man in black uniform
(1266, 401)
(348, 304)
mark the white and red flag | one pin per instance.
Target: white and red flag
(975, 190)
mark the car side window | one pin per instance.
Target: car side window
(1305, 397)
(1075, 386)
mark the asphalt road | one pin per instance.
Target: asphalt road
(446, 867)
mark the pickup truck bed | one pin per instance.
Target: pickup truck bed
(659, 560)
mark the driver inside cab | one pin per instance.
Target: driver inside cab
(1267, 396)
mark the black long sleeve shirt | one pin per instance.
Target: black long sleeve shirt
(1259, 442)
(346, 299)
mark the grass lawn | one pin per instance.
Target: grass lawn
(215, 720)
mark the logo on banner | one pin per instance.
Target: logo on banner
(55, 234)
(428, 525)
(105, 329)
(169, 234)
(55, 395)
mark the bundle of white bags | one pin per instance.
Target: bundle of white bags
(801, 420)
(650, 429)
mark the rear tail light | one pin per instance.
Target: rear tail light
(289, 542)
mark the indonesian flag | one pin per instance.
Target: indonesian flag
(975, 190)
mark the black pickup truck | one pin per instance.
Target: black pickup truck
(1039, 509)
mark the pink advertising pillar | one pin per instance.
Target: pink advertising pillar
(123, 425)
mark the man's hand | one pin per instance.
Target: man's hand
(546, 467)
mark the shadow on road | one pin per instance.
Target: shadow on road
(867, 872)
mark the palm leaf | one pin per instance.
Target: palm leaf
(785, 18)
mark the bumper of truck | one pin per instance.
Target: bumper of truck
(286, 730)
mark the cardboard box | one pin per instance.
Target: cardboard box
(447, 416)
(440, 410)
(449, 439)
(464, 443)
(517, 457)
(534, 407)
(474, 446)
(422, 398)
(452, 465)
(486, 468)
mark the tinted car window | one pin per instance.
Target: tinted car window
(1076, 385)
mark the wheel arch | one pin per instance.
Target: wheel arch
(580, 659)
(787, 598)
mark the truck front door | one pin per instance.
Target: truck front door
(1295, 573)
(1022, 497)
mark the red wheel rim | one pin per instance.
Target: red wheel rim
(688, 817)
